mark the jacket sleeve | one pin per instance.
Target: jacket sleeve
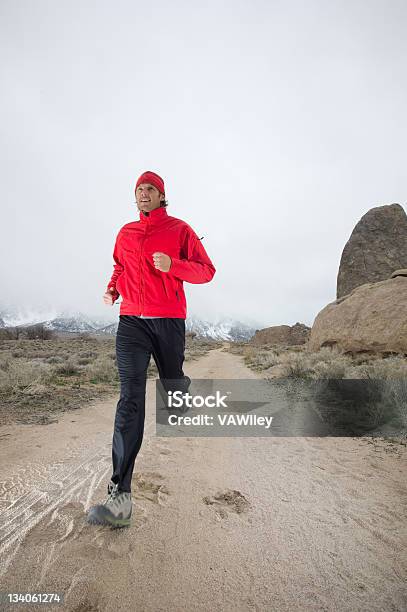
(194, 266)
(117, 270)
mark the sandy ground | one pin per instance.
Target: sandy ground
(222, 524)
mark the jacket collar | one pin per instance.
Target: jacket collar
(154, 217)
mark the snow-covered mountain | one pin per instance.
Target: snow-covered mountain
(52, 319)
(109, 329)
(74, 322)
(69, 324)
(224, 329)
(16, 316)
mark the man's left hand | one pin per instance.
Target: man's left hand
(162, 261)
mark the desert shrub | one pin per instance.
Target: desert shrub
(88, 354)
(54, 359)
(357, 395)
(328, 362)
(261, 359)
(38, 331)
(335, 367)
(195, 348)
(84, 361)
(102, 369)
(15, 377)
(360, 405)
(4, 364)
(394, 367)
(395, 394)
(68, 368)
(8, 333)
(390, 377)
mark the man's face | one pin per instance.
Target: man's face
(148, 197)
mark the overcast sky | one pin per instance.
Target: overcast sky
(275, 125)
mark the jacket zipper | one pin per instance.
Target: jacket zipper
(141, 294)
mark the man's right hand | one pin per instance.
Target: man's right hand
(110, 296)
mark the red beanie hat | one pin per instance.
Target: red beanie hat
(153, 179)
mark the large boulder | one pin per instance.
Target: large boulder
(371, 318)
(376, 247)
(281, 334)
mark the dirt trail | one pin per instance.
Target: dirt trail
(280, 524)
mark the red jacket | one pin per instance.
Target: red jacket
(144, 289)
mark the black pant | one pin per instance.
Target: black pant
(136, 340)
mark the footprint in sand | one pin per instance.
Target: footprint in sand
(84, 595)
(147, 487)
(230, 499)
(164, 451)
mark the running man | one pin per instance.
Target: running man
(153, 257)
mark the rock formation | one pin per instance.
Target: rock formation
(376, 247)
(281, 334)
(372, 317)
